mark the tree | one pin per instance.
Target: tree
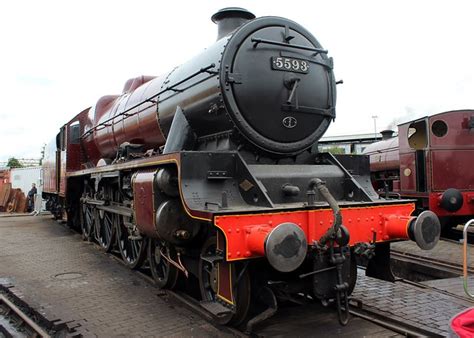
(14, 163)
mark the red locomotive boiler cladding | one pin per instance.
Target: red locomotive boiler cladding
(430, 160)
(141, 127)
(192, 173)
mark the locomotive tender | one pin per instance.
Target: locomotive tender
(430, 161)
(211, 173)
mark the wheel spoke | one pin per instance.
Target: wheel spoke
(108, 232)
(87, 220)
(133, 250)
(105, 230)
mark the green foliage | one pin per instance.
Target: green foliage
(14, 163)
(336, 150)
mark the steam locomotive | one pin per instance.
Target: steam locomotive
(429, 161)
(211, 173)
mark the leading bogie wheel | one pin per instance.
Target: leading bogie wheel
(164, 273)
(208, 284)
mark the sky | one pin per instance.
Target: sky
(399, 60)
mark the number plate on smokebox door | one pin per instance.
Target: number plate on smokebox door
(290, 65)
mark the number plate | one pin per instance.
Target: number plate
(290, 65)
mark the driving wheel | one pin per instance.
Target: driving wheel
(131, 245)
(88, 213)
(106, 227)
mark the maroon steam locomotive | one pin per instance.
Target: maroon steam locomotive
(430, 161)
(211, 173)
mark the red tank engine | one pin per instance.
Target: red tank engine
(430, 162)
(211, 173)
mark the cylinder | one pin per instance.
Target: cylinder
(173, 225)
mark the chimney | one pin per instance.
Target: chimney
(229, 19)
(386, 134)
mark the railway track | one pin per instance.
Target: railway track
(443, 266)
(180, 298)
(15, 323)
(433, 268)
(416, 266)
(19, 319)
(455, 234)
(357, 310)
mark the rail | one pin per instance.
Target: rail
(464, 261)
(12, 309)
(402, 327)
(439, 264)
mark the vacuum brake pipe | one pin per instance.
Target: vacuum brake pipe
(324, 191)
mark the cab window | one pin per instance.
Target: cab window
(74, 133)
(417, 135)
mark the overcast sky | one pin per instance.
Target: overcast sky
(399, 60)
